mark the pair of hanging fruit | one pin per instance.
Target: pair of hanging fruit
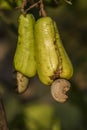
(40, 49)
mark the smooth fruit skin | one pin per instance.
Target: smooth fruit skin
(46, 56)
(24, 59)
(66, 70)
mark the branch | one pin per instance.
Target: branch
(3, 122)
(32, 6)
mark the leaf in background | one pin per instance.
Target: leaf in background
(40, 117)
(18, 2)
(5, 5)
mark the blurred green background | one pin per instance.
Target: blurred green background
(36, 109)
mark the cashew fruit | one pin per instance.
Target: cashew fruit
(24, 59)
(51, 59)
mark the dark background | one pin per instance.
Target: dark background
(36, 109)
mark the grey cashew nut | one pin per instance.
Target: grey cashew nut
(59, 88)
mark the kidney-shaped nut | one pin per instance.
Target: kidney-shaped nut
(22, 82)
(59, 88)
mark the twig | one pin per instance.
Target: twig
(32, 6)
(68, 2)
(40, 3)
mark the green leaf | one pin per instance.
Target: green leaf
(40, 117)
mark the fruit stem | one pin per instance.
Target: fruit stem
(23, 7)
(42, 10)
